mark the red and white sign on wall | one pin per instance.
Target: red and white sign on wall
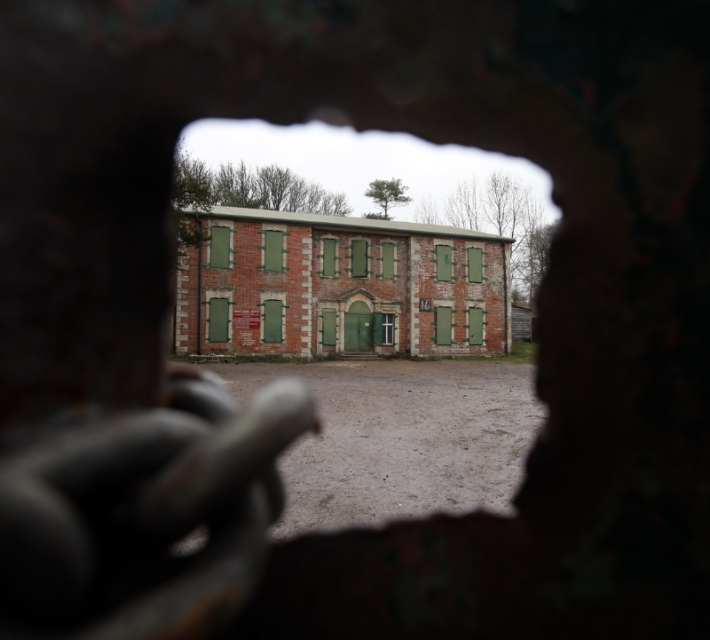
(246, 319)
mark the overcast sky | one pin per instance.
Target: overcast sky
(343, 160)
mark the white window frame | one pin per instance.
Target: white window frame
(385, 324)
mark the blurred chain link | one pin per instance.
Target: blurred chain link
(95, 527)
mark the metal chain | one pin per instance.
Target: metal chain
(90, 525)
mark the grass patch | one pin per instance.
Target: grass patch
(523, 353)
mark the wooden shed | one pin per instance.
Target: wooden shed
(522, 323)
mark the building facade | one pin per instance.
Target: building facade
(274, 283)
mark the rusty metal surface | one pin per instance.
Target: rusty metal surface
(95, 524)
(609, 97)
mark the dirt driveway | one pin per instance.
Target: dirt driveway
(401, 439)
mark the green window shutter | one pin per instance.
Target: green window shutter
(377, 329)
(359, 253)
(475, 326)
(475, 265)
(329, 333)
(219, 320)
(272, 320)
(328, 257)
(388, 260)
(443, 263)
(443, 325)
(274, 260)
(219, 247)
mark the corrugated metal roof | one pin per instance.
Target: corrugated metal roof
(347, 222)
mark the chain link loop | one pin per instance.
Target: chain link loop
(89, 524)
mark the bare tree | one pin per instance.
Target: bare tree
(526, 267)
(506, 203)
(426, 211)
(507, 207)
(463, 207)
(313, 197)
(236, 187)
(538, 244)
(504, 200)
(270, 187)
(297, 194)
(517, 295)
(273, 183)
(339, 205)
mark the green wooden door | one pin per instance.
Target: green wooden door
(358, 331)
(359, 323)
(365, 336)
(352, 329)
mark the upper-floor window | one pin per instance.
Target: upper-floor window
(359, 259)
(475, 265)
(329, 258)
(388, 260)
(444, 263)
(274, 251)
(220, 247)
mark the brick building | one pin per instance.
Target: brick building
(278, 283)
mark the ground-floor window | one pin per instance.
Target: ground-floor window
(443, 325)
(329, 328)
(475, 326)
(273, 315)
(218, 320)
(387, 328)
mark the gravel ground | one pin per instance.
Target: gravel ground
(401, 439)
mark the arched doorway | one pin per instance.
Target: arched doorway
(358, 328)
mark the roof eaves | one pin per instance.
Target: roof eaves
(409, 228)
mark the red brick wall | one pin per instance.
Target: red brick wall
(246, 281)
(396, 290)
(460, 291)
